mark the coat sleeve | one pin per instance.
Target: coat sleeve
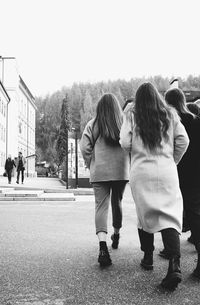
(87, 144)
(126, 132)
(181, 140)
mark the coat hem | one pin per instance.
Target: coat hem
(152, 231)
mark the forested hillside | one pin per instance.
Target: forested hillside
(82, 99)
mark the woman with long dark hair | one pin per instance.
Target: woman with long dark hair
(109, 169)
(153, 134)
(189, 167)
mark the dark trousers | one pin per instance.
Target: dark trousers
(118, 188)
(104, 191)
(18, 174)
(194, 223)
(170, 239)
(9, 173)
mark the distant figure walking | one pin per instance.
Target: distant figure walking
(153, 134)
(9, 166)
(20, 165)
(109, 169)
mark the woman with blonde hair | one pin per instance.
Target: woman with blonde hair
(109, 169)
(153, 134)
(9, 166)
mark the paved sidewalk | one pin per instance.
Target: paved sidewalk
(49, 257)
(38, 182)
(53, 185)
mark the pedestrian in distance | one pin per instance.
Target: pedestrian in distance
(153, 134)
(189, 167)
(9, 166)
(20, 165)
(109, 169)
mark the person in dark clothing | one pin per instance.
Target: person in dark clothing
(194, 108)
(20, 167)
(189, 167)
(9, 165)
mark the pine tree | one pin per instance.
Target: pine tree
(62, 141)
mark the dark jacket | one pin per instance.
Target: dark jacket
(189, 166)
(9, 164)
(23, 162)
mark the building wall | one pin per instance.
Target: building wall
(13, 124)
(3, 114)
(10, 79)
(21, 116)
(26, 129)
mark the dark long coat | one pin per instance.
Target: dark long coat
(9, 164)
(189, 166)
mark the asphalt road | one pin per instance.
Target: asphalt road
(48, 256)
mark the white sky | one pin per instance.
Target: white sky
(58, 42)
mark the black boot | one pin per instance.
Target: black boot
(147, 261)
(196, 271)
(173, 277)
(115, 239)
(104, 256)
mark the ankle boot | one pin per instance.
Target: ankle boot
(147, 261)
(115, 240)
(173, 277)
(104, 256)
(196, 271)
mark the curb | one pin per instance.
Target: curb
(36, 199)
(82, 191)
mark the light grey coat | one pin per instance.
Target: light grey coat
(106, 162)
(153, 176)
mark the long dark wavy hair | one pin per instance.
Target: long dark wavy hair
(109, 118)
(176, 98)
(152, 116)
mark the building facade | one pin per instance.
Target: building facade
(26, 126)
(21, 115)
(4, 100)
